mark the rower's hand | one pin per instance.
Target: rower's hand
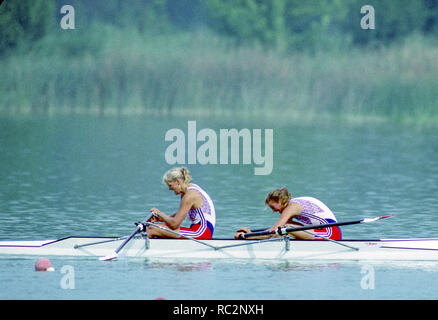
(157, 215)
(240, 232)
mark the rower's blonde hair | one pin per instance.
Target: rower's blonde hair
(281, 195)
(177, 173)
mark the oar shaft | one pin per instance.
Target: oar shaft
(331, 240)
(139, 228)
(115, 253)
(285, 230)
(181, 235)
(77, 246)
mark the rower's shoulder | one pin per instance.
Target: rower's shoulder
(192, 191)
(193, 186)
(305, 200)
(293, 207)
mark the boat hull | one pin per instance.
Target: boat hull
(390, 249)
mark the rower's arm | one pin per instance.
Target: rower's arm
(174, 221)
(292, 210)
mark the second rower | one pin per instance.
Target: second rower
(305, 211)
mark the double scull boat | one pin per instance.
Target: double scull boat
(281, 247)
(278, 248)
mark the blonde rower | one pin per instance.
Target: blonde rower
(195, 203)
(297, 212)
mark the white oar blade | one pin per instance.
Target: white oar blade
(366, 220)
(109, 257)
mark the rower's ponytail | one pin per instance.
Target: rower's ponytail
(185, 175)
(177, 173)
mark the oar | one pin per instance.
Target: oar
(115, 254)
(78, 246)
(180, 235)
(285, 230)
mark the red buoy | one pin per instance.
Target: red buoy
(43, 264)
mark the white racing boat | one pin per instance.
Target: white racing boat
(281, 247)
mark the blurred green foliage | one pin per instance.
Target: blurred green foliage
(275, 24)
(307, 24)
(255, 57)
(24, 21)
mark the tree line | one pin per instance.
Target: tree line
(276, 24)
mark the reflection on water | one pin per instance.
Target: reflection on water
(178, 265)
(216, 279)
(201, 265)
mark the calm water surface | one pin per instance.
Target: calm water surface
(94, 176)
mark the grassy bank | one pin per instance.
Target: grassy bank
(112, 71)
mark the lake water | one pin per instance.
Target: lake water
(90, 176)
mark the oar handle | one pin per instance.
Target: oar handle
(149, 217)
(257, 233)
